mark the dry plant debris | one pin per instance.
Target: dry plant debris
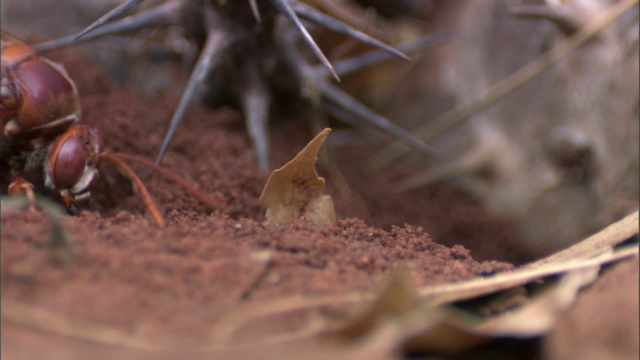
(296, 190)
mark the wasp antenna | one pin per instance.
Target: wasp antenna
(115, 13)
(161, 15)
(184, 184)
(285, 8)
(255, 100)
(255, 10)
(368, 117)
(153, 209)
(209, 57)
(349, 66)
(319, 18)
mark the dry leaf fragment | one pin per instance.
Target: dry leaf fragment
(596, 244)
(404, 317)
(296, 190)
(398, 320)
(594, 250)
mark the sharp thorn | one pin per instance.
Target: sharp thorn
(349, 66)
(255, 10)
(368, 117)
(315, 16)
(165, 14)
(208, 59)
(285, 8)
(115, 13)
(349, 119)
(341, 114)
(255, 100)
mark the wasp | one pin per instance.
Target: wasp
(42, 140)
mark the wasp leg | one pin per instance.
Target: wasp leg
(20, 186)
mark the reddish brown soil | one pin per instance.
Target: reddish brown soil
(174, 285)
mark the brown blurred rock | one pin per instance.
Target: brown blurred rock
(559, 154)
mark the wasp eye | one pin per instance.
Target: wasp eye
(67, 161)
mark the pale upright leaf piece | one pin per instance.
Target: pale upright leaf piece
(296, 190)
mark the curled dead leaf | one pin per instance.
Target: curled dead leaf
(296, 190)
(426, 320)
